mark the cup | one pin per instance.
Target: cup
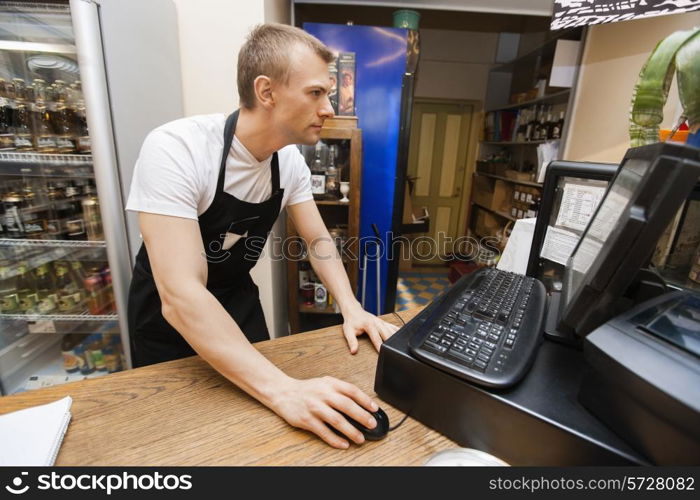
(344, 190)
(307, 293)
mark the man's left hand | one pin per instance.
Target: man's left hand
(358, 321)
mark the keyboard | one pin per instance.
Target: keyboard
(485, 329)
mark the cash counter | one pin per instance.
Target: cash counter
(184, 413)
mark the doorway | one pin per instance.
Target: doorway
(442, 146)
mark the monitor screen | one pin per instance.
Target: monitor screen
(606, 223)
(650, 186)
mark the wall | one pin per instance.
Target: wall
(210, 34)
(613, 57)
(455, 64)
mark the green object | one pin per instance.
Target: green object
(406, 19)
(677, 53)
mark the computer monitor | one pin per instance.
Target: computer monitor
(649, 187)
(570, 194)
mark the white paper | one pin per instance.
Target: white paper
(517, 250)
(564, 64)
(33, 436)
(558, 245)
(547, 152)
(578, 204)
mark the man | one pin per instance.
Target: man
(205, 187)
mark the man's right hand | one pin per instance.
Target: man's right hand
(312, 403)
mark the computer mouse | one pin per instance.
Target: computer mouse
(379, 432)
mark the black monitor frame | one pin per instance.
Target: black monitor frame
(671, 175)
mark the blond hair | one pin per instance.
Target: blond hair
(267, 52)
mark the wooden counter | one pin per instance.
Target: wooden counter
(185, 413)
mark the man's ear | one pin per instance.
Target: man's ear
(263, 91)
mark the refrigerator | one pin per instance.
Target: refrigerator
(81, 84)
(385, 60)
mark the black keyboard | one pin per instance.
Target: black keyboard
(486, 329)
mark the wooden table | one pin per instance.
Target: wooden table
(184, 413)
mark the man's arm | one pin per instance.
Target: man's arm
(177, 258)
(329, 267)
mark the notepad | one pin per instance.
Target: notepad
(33, 436)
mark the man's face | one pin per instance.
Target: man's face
(302, 105)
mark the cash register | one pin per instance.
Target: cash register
(474, 366)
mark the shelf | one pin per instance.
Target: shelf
(547, 45)
(46, 165)
(516, 143)
(496, 212)
(10, 242)
(303, 308)
(60, 317)
(508, 179)
(333, 202)
(556, 98)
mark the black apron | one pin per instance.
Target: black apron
(153, 340)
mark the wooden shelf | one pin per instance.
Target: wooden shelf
(303, 308)
(508, 179)
(342, 131)
(496, 212)
(332, 202)
(516, 143)
(555, 98)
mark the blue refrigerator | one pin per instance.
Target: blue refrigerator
(382, 98)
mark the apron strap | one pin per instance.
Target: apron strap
(229, 130)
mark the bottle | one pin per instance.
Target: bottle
(91, 215)
(94, 349)
(318, 174)
(7, 138)
(26, 289)
(22, 127)
(9, 300)
(332, 177)
(558, 126)
(303, 273)
(72, 214)
(93, 288)
(72, 362)
(45, 140)
(65, 126)
(12, 201)
(82, 140)
(86, 364)
(70, 294)
(46, 290)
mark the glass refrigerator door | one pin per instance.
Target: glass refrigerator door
(58, 321)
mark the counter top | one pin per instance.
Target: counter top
(184, 413)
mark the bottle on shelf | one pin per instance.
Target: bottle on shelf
(7, 138)
(26, 289)
(93, 347)
(45, 140)
(94, 289)
(72, 214)
(72, 361)
(22, 119)
(82, 140)
(71, 296)
(65, 124)
(91, 214)
(12, 202)
(558, 126)
(332, 176)
(318, 174)
(9, 300)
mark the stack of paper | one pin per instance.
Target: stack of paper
(33, 436)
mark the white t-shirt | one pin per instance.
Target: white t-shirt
(178, 168)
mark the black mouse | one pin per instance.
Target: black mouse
(379, 432)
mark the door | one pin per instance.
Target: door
(440, 143)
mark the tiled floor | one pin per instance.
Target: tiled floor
(419, 288)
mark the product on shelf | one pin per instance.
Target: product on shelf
(318, 174)
(44, 118)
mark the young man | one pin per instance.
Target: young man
(206, 187)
